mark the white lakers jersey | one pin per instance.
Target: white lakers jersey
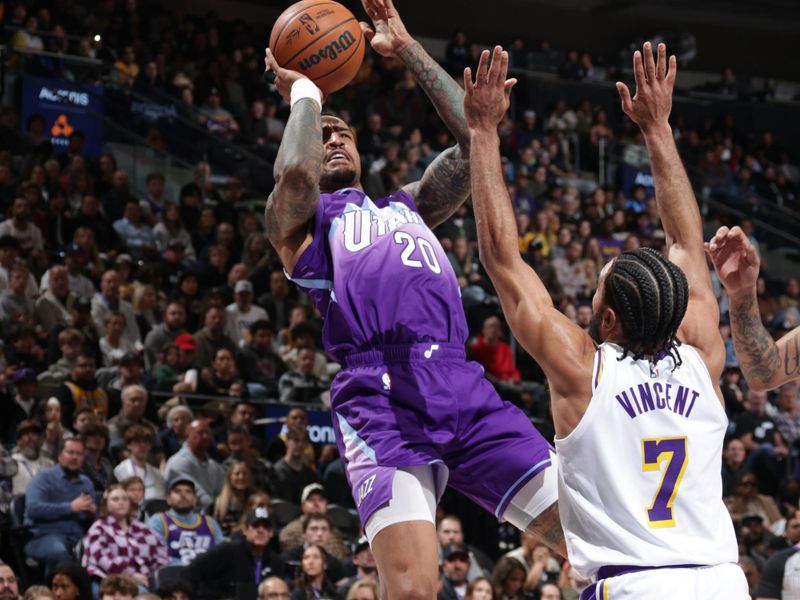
(639, 477)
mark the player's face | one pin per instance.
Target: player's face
(341, 163)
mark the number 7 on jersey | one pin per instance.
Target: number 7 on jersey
(654, 452)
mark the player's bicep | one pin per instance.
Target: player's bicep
(700, 325)
(563, 350)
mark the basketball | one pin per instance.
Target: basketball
(322, 40)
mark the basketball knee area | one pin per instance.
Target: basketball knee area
(534, 497)
(415, 493)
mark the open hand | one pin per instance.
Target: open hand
(735, 260)
(387, 35)
(284, 78)
(487, 99)
(652, 103)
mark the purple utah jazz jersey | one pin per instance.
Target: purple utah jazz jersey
(378, 275)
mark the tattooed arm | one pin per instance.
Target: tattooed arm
(445, 183)
(297, 170)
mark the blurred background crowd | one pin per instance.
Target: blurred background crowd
(162, 386)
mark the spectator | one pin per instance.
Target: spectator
(9, 584)
(107, 300)
(118, 544)
(23, 406)
(186, 533)
(314, 500)
(450, 531)
(37, 592)
(167, 332)
(455, 566)
(139, 442)
(292, 473)
(240, 315)
(216, 119)
(277, 301)
(788, 417)
(137, 237)
(118, 587)
(96, 465)
(241, 564)
(170, 228)
(192, 461)
(21, 227)
(54, 307)
(273, 588)
(28, 455)
(112, 345)
(764, 443)
(549, 591)
(153, 202)
(173, 438)
(69, 581)
(539, 565)
(747, 501)
(508, 578)
(259, 365)
(15, 305)
(59, 505)
(733, 464)
(479, 588)
(366, 574)
(212, 338)
(125, 69)
(243, 412)
(240, 448)
(134, 407)
(314, 580)
(300, 384)
(229, 505)
(493, 353)
(222, 378)
(70, 343)
(9, 253)
(751, 573)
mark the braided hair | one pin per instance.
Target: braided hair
(649, 293)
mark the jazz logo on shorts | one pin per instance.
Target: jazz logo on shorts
(365, 488)
(429, 352)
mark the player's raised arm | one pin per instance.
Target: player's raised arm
(650, 109)
(766, 364)
(445, 183)
(297, 167)
(563, 349)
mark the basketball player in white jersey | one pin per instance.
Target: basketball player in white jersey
(639, 420)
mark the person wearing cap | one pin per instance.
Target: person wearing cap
(186, 532)
(366, 569)
(27, 455)
(448, 531)
(211, 338)
(242, 313)
(107, 300)
(237, 567)
(455, 566)
(9, 254)
(314, 500)
(23, 406)
(216, 119)
(167, 332)
(54, 307)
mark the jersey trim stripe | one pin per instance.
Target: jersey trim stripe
(529, 474)
(314, 284)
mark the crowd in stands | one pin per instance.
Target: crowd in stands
(143, 332)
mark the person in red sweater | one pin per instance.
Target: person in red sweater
(493, 353)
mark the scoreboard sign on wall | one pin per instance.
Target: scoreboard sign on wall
(66, 107)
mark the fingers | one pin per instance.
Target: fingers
(649, 63)
(272, 64)
(661, 65)
(468, 81)
(481, 73)
(638, 71)
(493, 77)
(625, 97)
(508, 86)
(673, 70)
(368, 32)
(371, 8)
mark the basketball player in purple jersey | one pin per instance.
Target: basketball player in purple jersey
(639, 420)
(411, 414)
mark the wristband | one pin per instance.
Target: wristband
(305, 88)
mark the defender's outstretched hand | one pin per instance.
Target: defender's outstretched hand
(284, 78)
(487, 99)
(387, 35)
(735, 260)
(654, 82)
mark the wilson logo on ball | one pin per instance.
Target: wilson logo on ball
(329, 52)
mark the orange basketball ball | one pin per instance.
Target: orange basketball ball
(322, 40)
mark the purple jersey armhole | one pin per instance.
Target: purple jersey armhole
(314, 263)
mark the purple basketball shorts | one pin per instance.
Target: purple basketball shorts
(401, 406)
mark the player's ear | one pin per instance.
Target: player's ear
(608, 321)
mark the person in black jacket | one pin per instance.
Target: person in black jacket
(237, 567)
